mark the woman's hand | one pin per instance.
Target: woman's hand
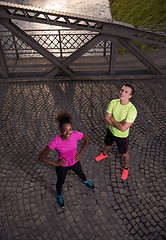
(86, 142)
(43, 158)
(77, 157)
(60, 162)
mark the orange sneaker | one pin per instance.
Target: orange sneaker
(101, 157)
(125, 174)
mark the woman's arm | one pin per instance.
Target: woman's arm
(86, 142)
(43, 158)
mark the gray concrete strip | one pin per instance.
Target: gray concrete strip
(127, 66)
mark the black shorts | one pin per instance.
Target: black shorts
(122, 143)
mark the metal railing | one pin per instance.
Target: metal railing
(62, 43)
(158, 27)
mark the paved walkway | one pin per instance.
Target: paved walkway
(130, 210)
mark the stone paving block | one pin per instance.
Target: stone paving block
(133, 209)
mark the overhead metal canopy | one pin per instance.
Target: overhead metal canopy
(116, 32)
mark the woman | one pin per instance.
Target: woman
(65, 144)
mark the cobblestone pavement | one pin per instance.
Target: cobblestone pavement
(133, 209)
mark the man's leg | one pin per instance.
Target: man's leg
(122, 144)
(109, 139)
(106, 149)
(126, 158)
(104, 154)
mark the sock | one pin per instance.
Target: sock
(126, 168)
(58, 195)
(104, 154)
(85, 181)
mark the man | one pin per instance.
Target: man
(120, 116)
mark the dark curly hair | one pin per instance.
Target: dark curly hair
(63, 117)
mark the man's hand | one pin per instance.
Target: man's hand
(112, 118)
(108, 119)
(122, 126)
(114, 121)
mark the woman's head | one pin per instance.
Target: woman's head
(64, 118)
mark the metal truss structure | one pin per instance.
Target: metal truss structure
(117, 33)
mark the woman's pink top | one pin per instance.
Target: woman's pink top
(66, 149)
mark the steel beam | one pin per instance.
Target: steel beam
(3, 63)
(115, 28)
(78, 53)
(141, 56)
(112, 58)
(108, 30)
(35, 45)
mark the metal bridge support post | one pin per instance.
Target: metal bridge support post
(15, 45)
(60, 44)
(105, 45)
(3, 63)
(112, 64)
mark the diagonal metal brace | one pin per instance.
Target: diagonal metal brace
(3, 64)
(35, 45)
(105, 26)
(140, 56)
(96, 39)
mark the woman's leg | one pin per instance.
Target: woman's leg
(78, 170)
(61, 176)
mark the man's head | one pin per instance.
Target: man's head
(131, 87)
(126, 92)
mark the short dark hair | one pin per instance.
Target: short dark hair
(63, 117)
(130, 86)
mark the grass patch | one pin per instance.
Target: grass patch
(139, 13)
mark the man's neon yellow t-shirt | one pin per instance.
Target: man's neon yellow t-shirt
(121, 112)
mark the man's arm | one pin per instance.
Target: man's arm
(122, 126)
(108, 119)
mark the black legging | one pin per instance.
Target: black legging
(62, 172)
